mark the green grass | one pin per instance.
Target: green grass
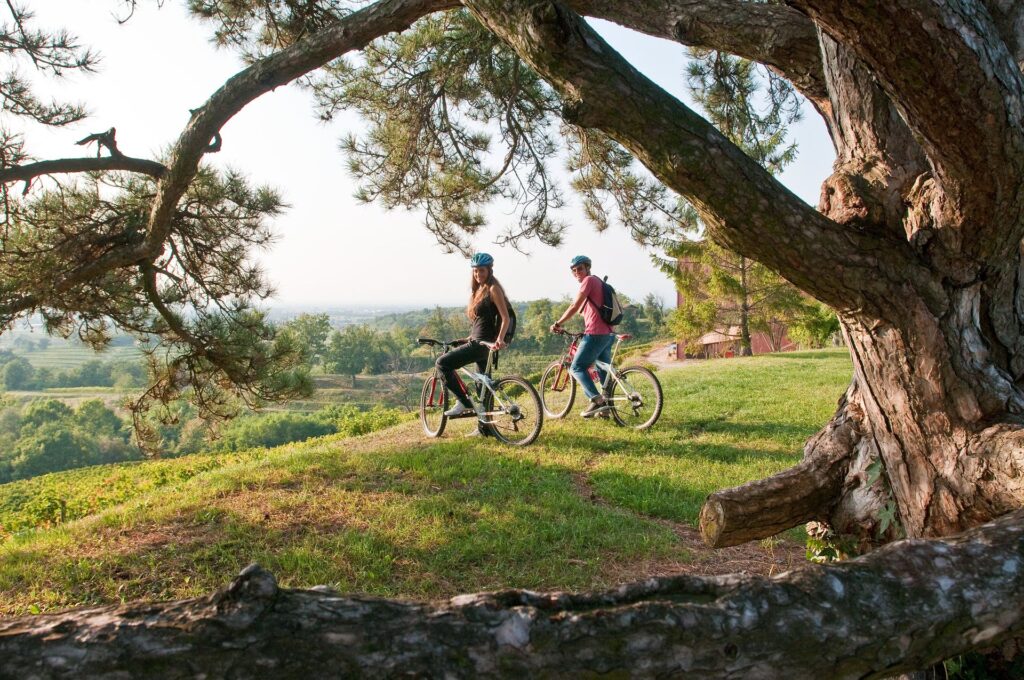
(396, 514)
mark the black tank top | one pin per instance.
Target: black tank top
(485, 325)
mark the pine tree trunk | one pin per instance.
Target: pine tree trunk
(746, 348)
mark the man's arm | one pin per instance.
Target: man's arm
(573, 309)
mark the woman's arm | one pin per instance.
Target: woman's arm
(498, 298)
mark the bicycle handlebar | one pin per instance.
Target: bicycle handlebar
(577, 336)
(452, 343)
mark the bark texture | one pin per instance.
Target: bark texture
(901, 608)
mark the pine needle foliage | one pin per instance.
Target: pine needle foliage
(435, 99)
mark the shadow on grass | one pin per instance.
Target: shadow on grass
(681, 449)
(821, 355)
(762, 430)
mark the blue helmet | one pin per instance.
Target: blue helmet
(580, 259)
(481, 260)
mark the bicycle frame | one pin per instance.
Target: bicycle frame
(564, 375)
(476, 379)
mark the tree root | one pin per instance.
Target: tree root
(800, 494)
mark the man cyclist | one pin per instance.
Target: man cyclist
(598, 336)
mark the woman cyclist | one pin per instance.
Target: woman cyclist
(488, 311)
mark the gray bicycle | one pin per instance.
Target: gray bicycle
(507, 407)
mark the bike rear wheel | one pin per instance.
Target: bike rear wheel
(636, 398)
(433, 402)
(557, 390)
(516, 415)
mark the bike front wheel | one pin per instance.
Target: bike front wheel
(433, 402)
(515, 414)
(557, 390)
(636, 398)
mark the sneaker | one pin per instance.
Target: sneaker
(597, 405)
(458, 410)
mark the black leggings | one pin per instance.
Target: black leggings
(448, 362)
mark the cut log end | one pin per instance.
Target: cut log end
(711, 521)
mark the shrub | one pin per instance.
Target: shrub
(269, 430)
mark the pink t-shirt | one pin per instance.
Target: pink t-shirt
(593, 324)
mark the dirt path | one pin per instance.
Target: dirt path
(662, 357)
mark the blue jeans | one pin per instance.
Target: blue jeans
(591, 347)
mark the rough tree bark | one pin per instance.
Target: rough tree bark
(902, 607)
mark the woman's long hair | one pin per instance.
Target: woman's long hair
(478, 291)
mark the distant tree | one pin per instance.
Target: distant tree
(439, 325)
(94, 418)
(25, 344)
(311, 332)
(347, 352)
(399, 344)
(536, 324)
(654, 312)
(10, 427)
(816, 327)
(127, 374)
(42, 411)
(50, 448)
(45, 377)
(269, 430)
(19, 374)
(94, 373)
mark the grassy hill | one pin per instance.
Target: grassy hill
(396, 514)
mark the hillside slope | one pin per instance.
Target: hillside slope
(394, 513)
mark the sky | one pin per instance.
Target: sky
(332, 250)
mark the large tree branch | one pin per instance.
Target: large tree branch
(29, 171)
(776, 36)
(900, 608)
(946, 68)
(744, 207)
(354, 31)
